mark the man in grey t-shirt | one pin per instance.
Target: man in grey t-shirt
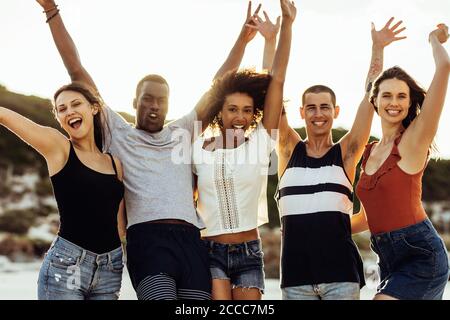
(166, 257)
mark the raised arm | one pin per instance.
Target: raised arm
(237, 52)
(273, 103)
(49, 142)
(231, 63)
(269, 31)
(359, 221)
(64, 44)
(354, 141)
(420, 134)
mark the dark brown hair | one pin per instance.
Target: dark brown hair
(246, 81)
(416, 92)
(92, 96)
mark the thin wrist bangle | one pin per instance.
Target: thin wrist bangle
(51, 9)
(52, 16)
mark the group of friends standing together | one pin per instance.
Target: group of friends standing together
(190, 228)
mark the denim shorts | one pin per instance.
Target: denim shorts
(413, 262)
(69, 272)
(323, 291)
(241, 263)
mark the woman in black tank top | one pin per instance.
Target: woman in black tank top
(85, 260)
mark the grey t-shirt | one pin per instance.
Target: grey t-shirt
(158, 183)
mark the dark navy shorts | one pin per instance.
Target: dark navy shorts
(240, 263)
(170, 250)
(413, 262)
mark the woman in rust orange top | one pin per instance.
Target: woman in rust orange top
(412, 257)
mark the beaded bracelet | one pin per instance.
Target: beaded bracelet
(51, 9)
(52, 16)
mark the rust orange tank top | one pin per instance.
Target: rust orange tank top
(391, 197)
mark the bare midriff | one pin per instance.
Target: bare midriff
(233, 238)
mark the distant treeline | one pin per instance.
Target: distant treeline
(436, 182)
(14, 151)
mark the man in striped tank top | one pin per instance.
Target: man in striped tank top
(319, 259)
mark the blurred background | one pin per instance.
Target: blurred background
(187, 41)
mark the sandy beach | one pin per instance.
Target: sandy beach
(19, 282)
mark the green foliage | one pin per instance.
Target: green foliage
(40, 247)
(44, 210)
(436, 183)
(13, 151)
(274, 218)
(17, 221)
(44, 188)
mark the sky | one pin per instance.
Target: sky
(186, 41)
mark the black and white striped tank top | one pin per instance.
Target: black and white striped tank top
(315, 201)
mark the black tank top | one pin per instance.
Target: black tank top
(88, 202)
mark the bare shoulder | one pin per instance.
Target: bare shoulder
(352, 151)
(57, 158)
(60, 144)
(413, 151)
(349, 149)
(287, 143)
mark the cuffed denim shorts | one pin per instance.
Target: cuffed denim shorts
(69, 272)
(413, 262)
(241, 263)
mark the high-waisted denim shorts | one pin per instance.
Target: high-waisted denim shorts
(413, 262)
(70, 272)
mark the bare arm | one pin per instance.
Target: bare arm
(121, 214)
(65, 45)
(286, 132)
(286, 135)
(354, 141)
(287, 139)
(359, 221)
(269, 31)
(122, 222)
(269, 53)
(273, 103)
(420, 134)
(49, 142)
(231, 63)
(237, 52)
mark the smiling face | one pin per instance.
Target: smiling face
(318, 112)
(75, 114)
(237, 113)
(151, 104)
(393, 100)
